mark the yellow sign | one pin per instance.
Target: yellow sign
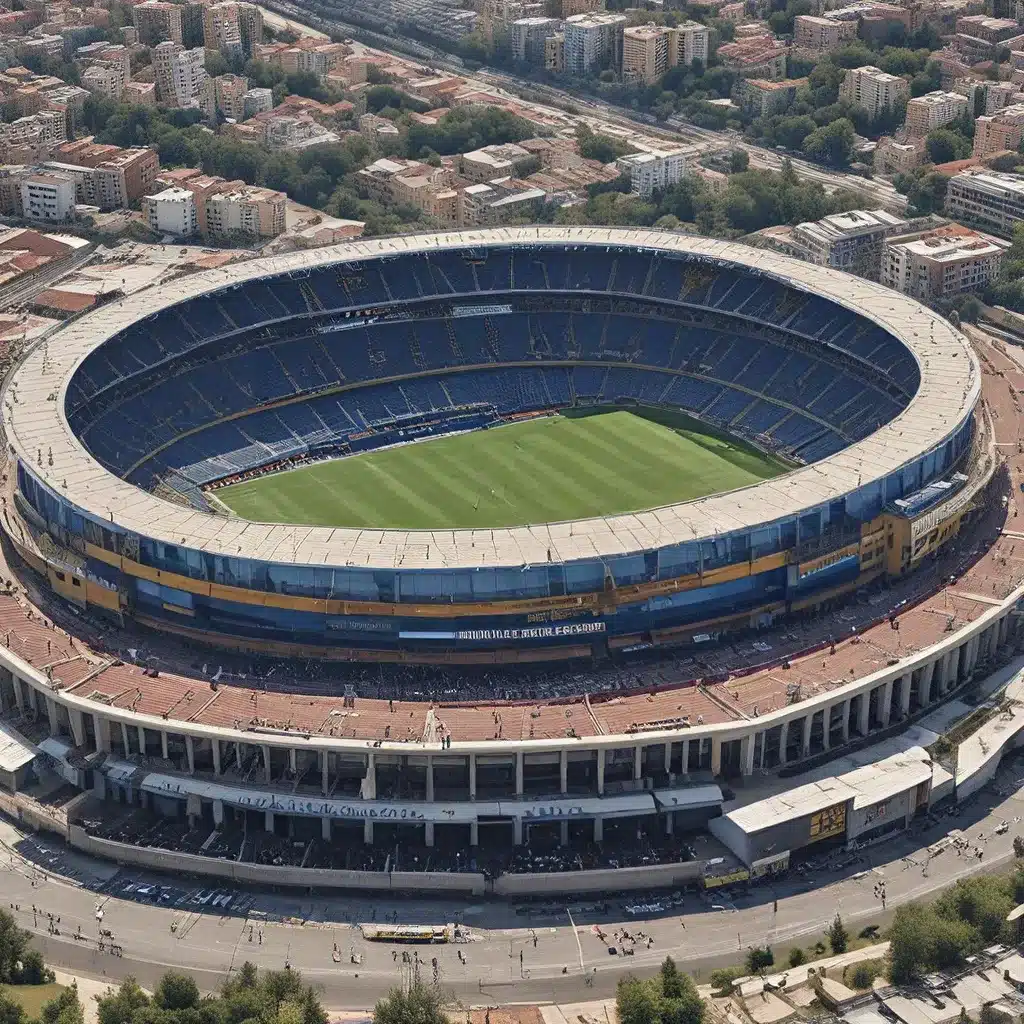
(828, 823)
(817, 564)
(717, 881)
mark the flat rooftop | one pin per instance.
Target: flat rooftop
(948, 392)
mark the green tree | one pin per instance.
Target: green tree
(419, 1005)
(13, 944)
(10, 1011)
(118, 1007)
(796, 957)
(64, 1008)
(759, 958)
(739, 160)
(176, 991)
(944, 145)
(838, 937)
(832, 144)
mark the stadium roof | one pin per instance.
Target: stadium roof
(37, 426)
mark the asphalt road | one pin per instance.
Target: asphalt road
(210, 945)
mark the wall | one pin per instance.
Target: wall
(32, 815)
(266, 874)
(899, 806)
(977, 764)
(610, 880)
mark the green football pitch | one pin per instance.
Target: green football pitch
(540, 470)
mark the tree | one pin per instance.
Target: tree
(601, 148)
(13, 944)
(420, 1005)
(119, 1007)
(759, 958)
(739, 160)
(10, 1011)
(669, 998)
(838, 937)
(944, 145)
(176, 991)
(796, 957)
(64, 1008)
(832, 144)
(1018, 846)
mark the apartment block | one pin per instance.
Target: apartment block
(47, 197)
(874, 89)
(554, 53)
(490, 162)
(179, 74)
(529, 36)
(221, 30)
(224, 96)
(652, 171)
(941, 263)
(593, 42)
(257, 101)
(123, 176)
(644, 53)
(991, 200)
(171, 211)
(763, 98)
(821, 34)
(103, 79)
(156, 21)
(248, 211)
(995, 132)
(933, 110)
(762, 57)
(687, 42)
(850, 241)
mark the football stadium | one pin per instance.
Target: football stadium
(487, 539)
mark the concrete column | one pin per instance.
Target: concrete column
(472, 776)
(906, 683)
(783, 734)
(215, 744)
(371, 776)
(368, 833)
(324, 777)
(519, 774)
(670, 822)
(430, 781)
(927, 682)
(598, 828)
(563, 771)
(293, 761)
(638, 753)
(864, 717)
(846, 719)
(77, 719)
(238, 754)
(600, 771)
(33, 699)
(428, 833)
(325, 829)
(164, 753)
(268, 821)
(668, 755)
(190, 752)
(885, 698)
(563, 832)
(474, 833)
(716, 756)
(124, 739)
(19, 693)
(218, 813)
(266, 762)
(141, 733)
(805, 736)
(748, 754)
(102, 727)
(517, 831)
(686, 757)
(51, 711)
(826, 728)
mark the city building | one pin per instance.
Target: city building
(649, 172)
(104, 79)
(224, 96)
(221, 31)
(179, 74)
(119, 178)
(156, 21)
(529, 36)
(943, 262)
(498, 161)
(850, 241)
(140, 94)
(898, 156)
(994, 133)
(992, 200)
(593, 42)
(764, 98)
(687, 42)
(762, 57)
(811, 32)
(250, 27)
(978, 36)
(644, 53)
(193, 16)
(247, 211)
(933, 110)
(47, 197)
(171, 212)
(554, 53)
(257, 101)
(873, 89)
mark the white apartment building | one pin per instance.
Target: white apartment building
(644, 53)
(943, 262)
(528, 37)
(593, 42)
(257, 101)
(171, 212)
(987, 199)
(104, 79)
(850, 241)
(248, 211)
(687, 42)
(652, 171)
(872, 88)
(933, 110)
(179, 74)
(48, 197)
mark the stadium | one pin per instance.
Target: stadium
(560, 452)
